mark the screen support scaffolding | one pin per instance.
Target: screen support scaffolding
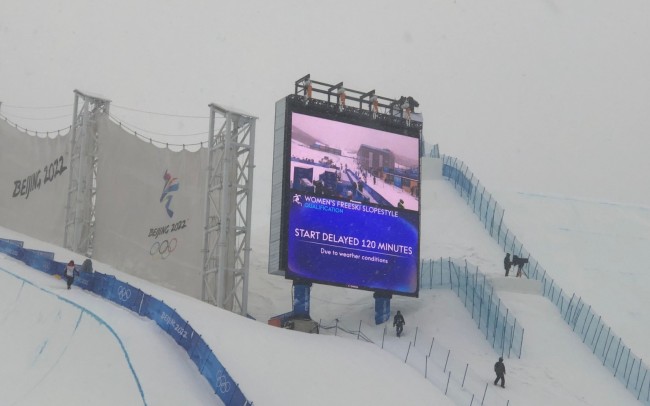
(80, 209)
(226, 245)
(370, 101)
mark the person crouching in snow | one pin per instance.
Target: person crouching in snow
(69, 273)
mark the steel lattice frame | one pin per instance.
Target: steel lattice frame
(80, 209)
(226, 247)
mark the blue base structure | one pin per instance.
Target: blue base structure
(301, 297)
(382, 307)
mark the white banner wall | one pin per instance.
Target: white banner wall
(149, 209)
(34, 173)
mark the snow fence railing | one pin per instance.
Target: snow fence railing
(442, 368)
(483, 303)
(132, 298)
(595, 333)
(433, 150)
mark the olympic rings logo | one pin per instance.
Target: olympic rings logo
(163, 248)
(222, 382)
(123, 293)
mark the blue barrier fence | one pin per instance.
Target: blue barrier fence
(132, 298)
(595, 333)
(477, 294)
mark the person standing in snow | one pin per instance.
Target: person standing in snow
(500, 370)
(69, 273)
(398, 323)
(400, 204)
(507, 264)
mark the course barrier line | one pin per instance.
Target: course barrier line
(134, 299)
(480, 299)
(628, 368)
(94, 316)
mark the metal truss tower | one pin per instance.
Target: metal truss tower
(80, 209)
(226, 246)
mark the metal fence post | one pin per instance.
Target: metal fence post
(446, 361)
(512, 337)
(487, 324)
(619, 360)
(599, 333)
(577, 313)
(407, 353)
(499, 230)
(464, 375)
(426, 365)
(441, 272)
(627, 361)
(484, 392)
(564, 316)
(582, 332)
(642, 382)
(610, 343)
(628, 377)
(448, 379)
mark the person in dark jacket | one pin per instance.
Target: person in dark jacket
(519, 263)
(507, 263)
(398, 323)
(87, 266)
(500, 370)
(69, 273)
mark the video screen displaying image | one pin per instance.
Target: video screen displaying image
(353, 206)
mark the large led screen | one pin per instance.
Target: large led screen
(352, 208)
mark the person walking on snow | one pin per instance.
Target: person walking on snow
(398, 323)
(69, 273)
(507, 263)
(500, 370)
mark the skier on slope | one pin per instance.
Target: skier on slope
(398, 323)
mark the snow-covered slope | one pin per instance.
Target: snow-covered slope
(276, 366)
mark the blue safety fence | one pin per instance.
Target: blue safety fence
(595, 333)
(132, 298)
(477, 294)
